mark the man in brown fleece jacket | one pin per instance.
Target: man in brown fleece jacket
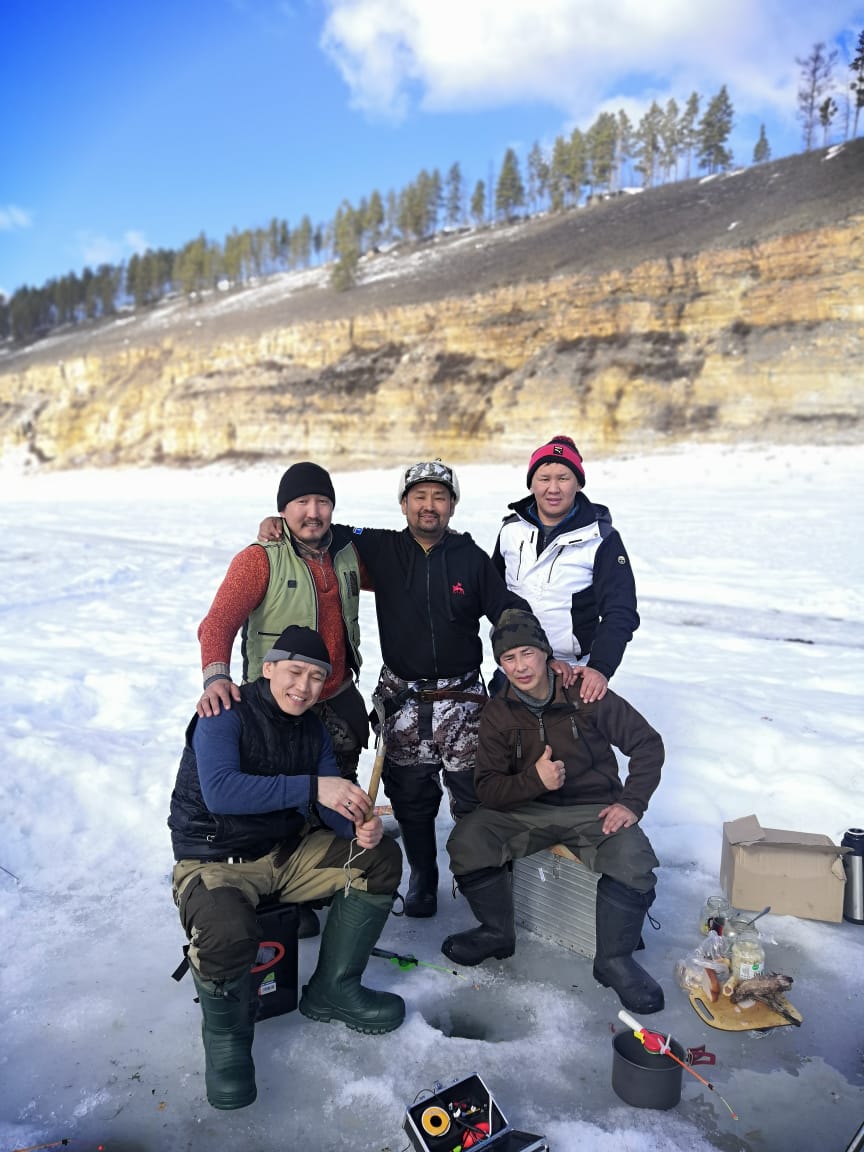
(546, 773)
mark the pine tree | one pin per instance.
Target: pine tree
(346, 248)
(687, 130)
(538, 176)
(454, 196)
(600, 141)
(670, 140)
(576, 166)
(559, 174)
(827, 112)
(648, 147)
(623, 146)
(510, 191)
(374, 223)
(478, 203)
(762, 150)
(857, 85)
(715, 128)
(816, 70)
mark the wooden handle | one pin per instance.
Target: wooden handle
(375, 778)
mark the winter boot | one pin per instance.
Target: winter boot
(421, 849)
(228, 1008)
(620, 915)
(353, 926)
(489, 893)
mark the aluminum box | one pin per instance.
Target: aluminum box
(554, 895)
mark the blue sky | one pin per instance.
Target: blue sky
(133, 125)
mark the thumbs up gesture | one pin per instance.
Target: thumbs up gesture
(550, 771)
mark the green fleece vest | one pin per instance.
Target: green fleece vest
(291, 599)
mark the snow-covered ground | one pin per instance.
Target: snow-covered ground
(749, 661)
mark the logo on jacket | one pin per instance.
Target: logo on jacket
(457, 589)
(622, 559)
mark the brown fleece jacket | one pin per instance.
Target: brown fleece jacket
(512, 739)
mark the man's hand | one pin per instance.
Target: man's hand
(218, 695)
(594, 685)
(370, 833)
(345, 798)
(550, 771)
(566, 671)
(270, 529)
(616, 817)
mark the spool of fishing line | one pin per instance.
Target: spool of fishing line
(435, 1121)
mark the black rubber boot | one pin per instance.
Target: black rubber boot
(489, 893)
(421, 851)
(620, 916)
(353, 926)
(228, 1008)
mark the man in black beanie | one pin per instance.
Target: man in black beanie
(547, 774)
(309, 575)
(258, 810)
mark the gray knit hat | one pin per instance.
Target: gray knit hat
(518, 629)
(304, 644)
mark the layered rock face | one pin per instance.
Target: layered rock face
(760, 341)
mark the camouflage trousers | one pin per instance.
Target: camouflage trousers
(426, 737)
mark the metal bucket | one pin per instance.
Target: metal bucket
(645, 1079)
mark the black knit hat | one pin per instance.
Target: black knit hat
(304, 479)
(518, 629)
(304, 644)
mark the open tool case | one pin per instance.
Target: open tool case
(464, 1116)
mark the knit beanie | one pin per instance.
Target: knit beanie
(559, 450)
(304, 479)
(518, 629)
(304, 644)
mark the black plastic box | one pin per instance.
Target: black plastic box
(276, 966)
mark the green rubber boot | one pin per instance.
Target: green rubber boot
(228, 1027)
(354, 924)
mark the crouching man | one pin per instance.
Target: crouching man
(546, 774)
(259, 810)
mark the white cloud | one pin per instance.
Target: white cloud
(12, 218)
(96, 249)
(573, 54)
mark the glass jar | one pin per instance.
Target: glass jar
(714, 913)
(748, 955)
(736, 923)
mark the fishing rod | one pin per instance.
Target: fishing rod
(409, 961)
(654, 1042)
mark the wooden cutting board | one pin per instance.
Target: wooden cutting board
(729, 1017)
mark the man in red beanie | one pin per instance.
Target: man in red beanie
(560, 552)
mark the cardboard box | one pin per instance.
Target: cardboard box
(797, 873)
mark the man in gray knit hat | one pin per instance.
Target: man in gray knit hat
(546, 773)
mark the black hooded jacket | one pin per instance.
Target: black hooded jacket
(429, 604)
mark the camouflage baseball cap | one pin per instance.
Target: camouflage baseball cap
(518, 629)
(429, 472)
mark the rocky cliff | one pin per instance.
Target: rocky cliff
(723, 310)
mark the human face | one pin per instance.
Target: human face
(428, 508)
(309, 518)
(295, 684)
(525, 668)
(554, 487)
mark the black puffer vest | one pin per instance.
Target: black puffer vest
(271, 743)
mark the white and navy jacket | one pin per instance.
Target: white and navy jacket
(577, 579)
